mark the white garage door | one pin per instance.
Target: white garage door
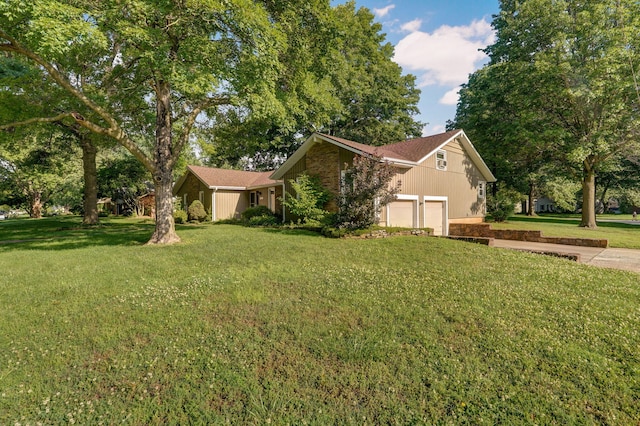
(434, 216)
(401, 213)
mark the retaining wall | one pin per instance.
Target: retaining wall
(484, 230)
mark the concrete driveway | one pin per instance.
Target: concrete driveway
(615, 258)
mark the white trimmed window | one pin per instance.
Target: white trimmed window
(482, 189)
(441, 159)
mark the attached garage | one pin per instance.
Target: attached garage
(402, 213)
(435, 214)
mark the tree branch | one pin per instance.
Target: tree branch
(114, 130)
(191, 119)
(59, 117)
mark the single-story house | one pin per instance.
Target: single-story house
(442, 179)
(227, 193)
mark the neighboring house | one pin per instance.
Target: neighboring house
(227, 193)
(147, 204)
(544, 205)
(443, 179)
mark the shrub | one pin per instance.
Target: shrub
(309, 199)
(256, 211)
(502, 205)
(365, 190)
(197, 212)
(180, 216)
(265, 220)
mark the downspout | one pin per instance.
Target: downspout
(213, 204)
(284, 208)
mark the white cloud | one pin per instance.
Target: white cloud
(451, 97)
(384, 11)
(448, 55)
(435, 129)
(412, 26)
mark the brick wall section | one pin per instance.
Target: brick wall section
(323, 159)
(484, 230)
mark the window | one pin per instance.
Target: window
(482, 189)
(441, 160)
(201, 197)
(253, 199)
(185, 206)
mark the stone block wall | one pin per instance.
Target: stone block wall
(484, 230)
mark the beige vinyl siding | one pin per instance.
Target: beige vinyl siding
(229, 204)
(459, 183)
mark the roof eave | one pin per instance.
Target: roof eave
(228, 188)
(264, 185)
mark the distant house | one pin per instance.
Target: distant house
(147, 204)
(227, 193)
(443, 180)
(544, 205)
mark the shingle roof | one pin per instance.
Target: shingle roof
(410, 150)
(232, 178)
(416, 149)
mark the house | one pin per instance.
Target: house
(227, 193)
(147, 205)
(442, 177)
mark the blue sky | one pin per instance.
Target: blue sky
(438, 42)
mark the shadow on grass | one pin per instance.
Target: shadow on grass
(568, 221)
(68, 233)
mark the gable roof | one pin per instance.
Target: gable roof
(407, 153)
(215, 178)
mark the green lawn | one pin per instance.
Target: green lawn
(620, 235)
(257, 326)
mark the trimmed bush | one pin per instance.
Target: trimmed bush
(180, 216)
(197, 212)
(265, 220)
(502, 205)
(256, 211)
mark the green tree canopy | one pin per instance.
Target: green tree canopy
(569, 82)
(341, 80)
(150, 68)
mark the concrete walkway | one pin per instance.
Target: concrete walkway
(616, 258)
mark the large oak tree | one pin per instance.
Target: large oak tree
(569, 75)
(141, 67)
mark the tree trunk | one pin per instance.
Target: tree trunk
(35, 204)
(603, 201)
(589, 198)
(90, 202)
(531, 211)
(165, 232)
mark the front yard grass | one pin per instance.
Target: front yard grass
(255, 326)
(620, 235)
